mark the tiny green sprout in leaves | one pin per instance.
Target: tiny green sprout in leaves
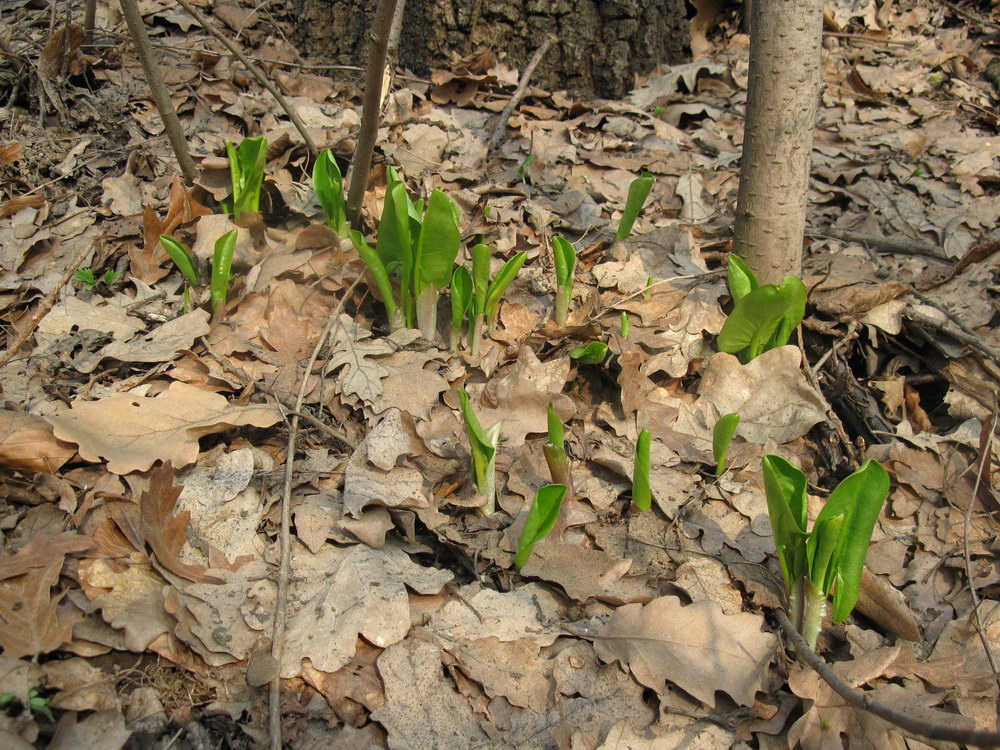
(648, 292)
(591, 354)
(483, 446)
(86, 277)
(918, 172)
(434, 258)
(383, 286)
(487, 211)
(36, 703)
(642, 494)
(541, 518)
(623, 324)
(222, 265)
(742, 280)
(182, 258)
(461, 303)
(555, 452)
(722, 436)
(487, 293)
(564, 260)
(659, 110)
(328, 183)
(763, 318)
(638, 192)
(829, 559)
(522, 168)
(246, 169)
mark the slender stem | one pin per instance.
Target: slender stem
(361, 164)
(89, 20)
(475, 334)
(562, 304)
(427, 312)
(158, 89)
(813, 611)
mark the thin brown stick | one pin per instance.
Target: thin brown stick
(859, 699)
(953, 327)
(882, 244)
(985, 455)
(159, 91)
(500, 131)
(47, 304)
(371, 107)
(284, 564)
(255, 72)
(89, 20)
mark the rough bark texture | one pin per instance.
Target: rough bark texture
(782, 96)
(602, 45)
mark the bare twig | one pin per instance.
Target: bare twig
(882, 244)
(849, 448)
(284, 564)
(860, 699)
(89, 19)
(499, 132)
(953, 327)
(361, 164)
(159, 91)
(985, 455)
(255, 72)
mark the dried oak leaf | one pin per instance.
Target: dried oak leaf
(698, 648)
(29, 622)
(132, 432)
(27, 444)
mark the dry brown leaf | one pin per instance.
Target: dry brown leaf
(698, 648)
(39, 552)
(28, 444)
(133, 432)
(82, 686)
(30, 623)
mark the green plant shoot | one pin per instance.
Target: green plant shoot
(623, 324)
(722, 436)
(555, 452)
(742, 280)
(483, 447)
(434, 258)
(86, 277)
(591, 354)
(182, 258)
(648, 293)
(461, 302)
(222, 265)
(328, 183)
(763, 319)
(246, 169)
(541, 518)
(638, 192)
(380, 276)
(564, 259)
(642, 494)
(830, 558)
(487, 294)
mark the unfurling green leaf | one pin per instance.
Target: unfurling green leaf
(591, 354)
(222, 264)
(483, 446)
(638, 192)
(181, 257)
(246, 168)
(764, 319)
(541, 518)
(742, 280)
(642, 494)
(722, 436)
(329, 186)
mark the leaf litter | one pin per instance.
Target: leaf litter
(141, 447)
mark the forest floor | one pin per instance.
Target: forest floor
(145, 448)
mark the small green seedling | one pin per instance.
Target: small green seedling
(86, 277)
(36, 703)
(648, 293)
(222, 268)
(246, 170)
(722, 436)
(642, 494)
(638, 192)
(461, 302)
(542, 517)
(522, 168)
(487, 293)
(830, 558)
(555, 452)
(328, 183)
(483, 447)
(764, 316)
(421, 245)
(222, 265)
(623, 324)
(591, 354)
(564, 259)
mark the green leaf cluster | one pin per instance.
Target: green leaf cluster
(246, 170)
(328, 183)
(479, 296)
(86, 277)
(222, 266)
(764, 316)
(420, 246)
(828, 559)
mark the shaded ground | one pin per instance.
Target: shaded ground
(141, 613)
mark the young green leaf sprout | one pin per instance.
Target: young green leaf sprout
(329, 186)
(591, 354)
(642, 495)
(461, 302)
(542, 517)
(722, 436)
(246, 169)
(555, 452)
(564, 259)
(487, 294)
(638, 192)
(483, 446)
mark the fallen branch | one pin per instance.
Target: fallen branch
(882, 244)
(255, 72)
(499, 132)
(860, 699)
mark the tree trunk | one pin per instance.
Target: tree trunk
(602, 45)
(782, 97)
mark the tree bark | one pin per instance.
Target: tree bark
(782, 97)
(602, 45)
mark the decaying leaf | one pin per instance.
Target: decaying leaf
(28, 444)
